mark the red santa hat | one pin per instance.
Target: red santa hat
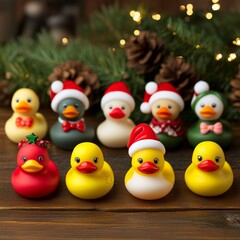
(68, 89)
(143, 137)
(154, 91)
(118, 91)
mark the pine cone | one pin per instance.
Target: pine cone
(144, 52)
(235, 92)
(180, 74)
(80, 73)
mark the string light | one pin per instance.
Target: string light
(136, 32)
(182, 8)
(209, 15)
(122, 42)
(215, 6)
(65, 41)
(218, 56)
(156, 16)
(236, 41)
(136, 16)
(198, 46)
(232, 56)
(215, 1)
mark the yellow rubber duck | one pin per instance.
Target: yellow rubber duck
(90, 177)
(209, 174)
(25, 119)
(151, 176)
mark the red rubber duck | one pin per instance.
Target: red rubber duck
(36, 175)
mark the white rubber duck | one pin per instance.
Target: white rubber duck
(117, 105)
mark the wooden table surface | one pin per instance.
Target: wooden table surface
(118, 215)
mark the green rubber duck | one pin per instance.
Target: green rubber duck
(209, 106)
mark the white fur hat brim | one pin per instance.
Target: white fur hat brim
(167, 95)
(118, 95)
(69, 93)
(145, 144)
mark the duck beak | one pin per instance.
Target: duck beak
(148, 168)
(208, 166)
(207, 112)
(117, 113)
(164, 113)
(32, 166)
(86, 167)
(23, 107)
(70, 112)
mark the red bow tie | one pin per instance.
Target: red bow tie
(20, 122)
(67, 126)
(216, 128)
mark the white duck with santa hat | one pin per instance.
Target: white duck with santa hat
(209, 106)
(117, 104)
(164, 102)
(70, 102)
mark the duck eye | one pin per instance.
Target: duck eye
(29, 100)
(64, 105)
(199, 158)
(77, 159)
(214, 105)
(40, 158)
(158, 106)
(202, 105)
(123, 107)
(76, 105)
(155, 160)
(140, 160)
(95, 160)
(24, 158)
(110, 106)
(169, 106)
(217, 159)
(17, 100)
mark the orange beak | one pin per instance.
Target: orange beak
(70, 112)
(23, 107)
(207, 112)
(164, 113)
(32, 166)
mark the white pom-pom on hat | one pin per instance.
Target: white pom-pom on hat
(145, 107)
(151, 87)
(57, 86)
(201, 87)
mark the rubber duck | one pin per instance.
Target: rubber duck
(70, 102)
(117, 105)
(151, 177)
(209, 106)
(25, 118)
(90, 177)
(36, 175)
(165, 104)
(208, 174)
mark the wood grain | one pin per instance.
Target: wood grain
(118, 215)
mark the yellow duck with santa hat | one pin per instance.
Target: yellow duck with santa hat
(117, 104)
(209, 106)
(151, 176)
(165, 104)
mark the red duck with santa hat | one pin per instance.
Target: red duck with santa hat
(165, 104)
(117, 104)
(70, 102)
(151, 176)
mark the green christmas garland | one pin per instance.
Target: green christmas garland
(204, 44)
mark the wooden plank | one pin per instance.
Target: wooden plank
(114, 225)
